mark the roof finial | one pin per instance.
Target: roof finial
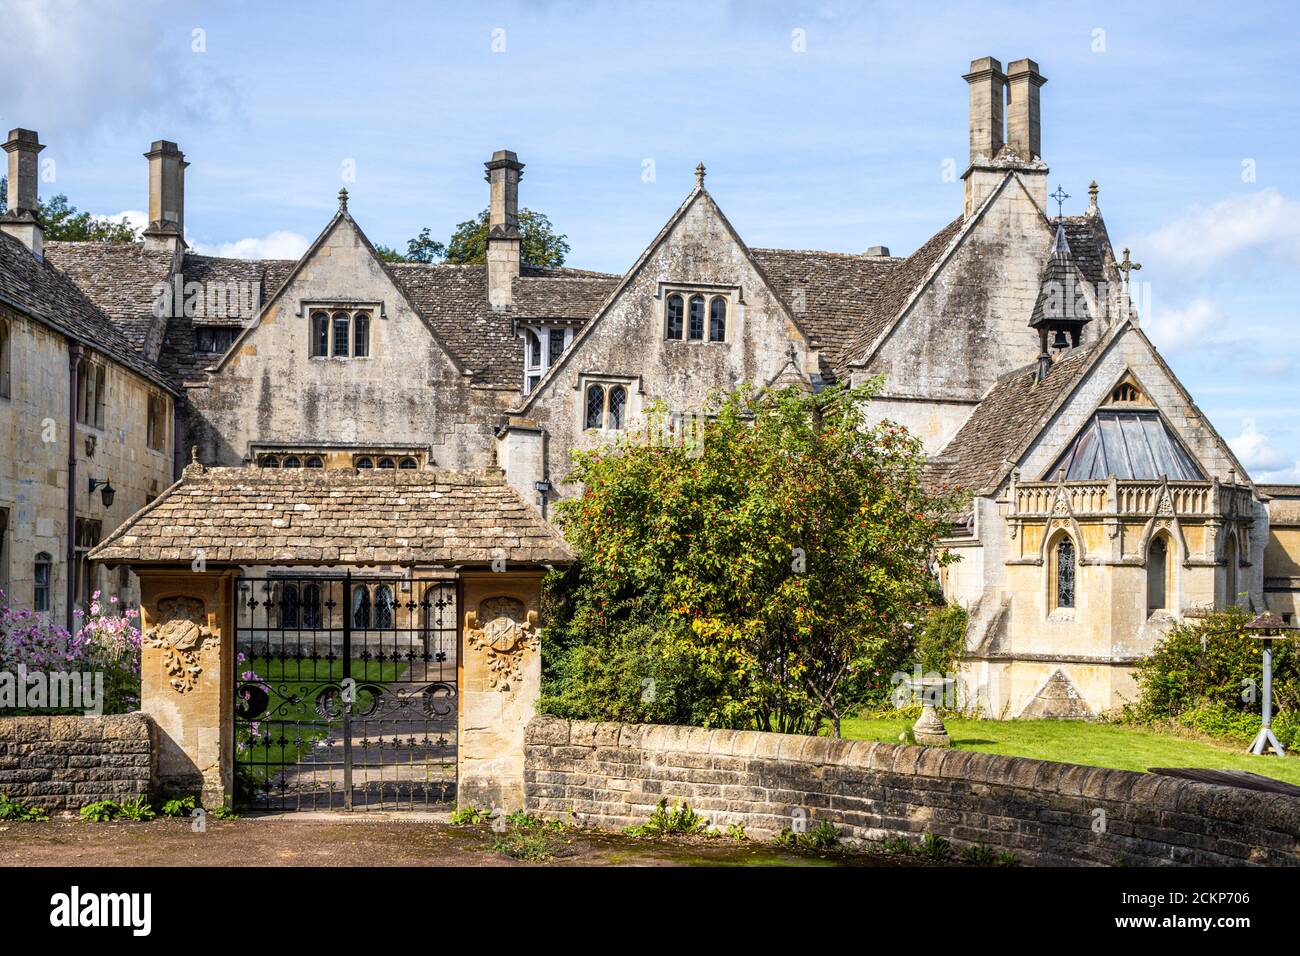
(1127, 266)
(343, 199)
(1092, 194)
(699, 176)
(1060, 196)
(194, 454)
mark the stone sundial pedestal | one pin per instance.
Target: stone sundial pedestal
(929, 730)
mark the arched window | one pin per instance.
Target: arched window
(293, 461)
(4, 359)
(311, 606)
(1230, 561)
(269, 461)
(90, 393)
(696, 330)
(534, 349)
(595, 406)
(408, 462)
(674, 326)
(384, 607)
(1158, 574)
(718, 320)
(41, 579)
(315, 461)
(360, 607)
(289, 606)
(320, 335)
(365, 462)
(360, 335)
(386, 463)
(617, 402)
(340, 335)
(1064, 573)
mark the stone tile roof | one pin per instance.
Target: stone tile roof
(1088, 244)
(1008, 416)
(336, 516)
(39, 289)
(482, 339)
(119, 277)
(833, 294)
(903, 281)
(260, 277)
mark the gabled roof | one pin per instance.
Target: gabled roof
(37, 288)
(336, 516)
(833, 293)
(1010, 415)
(119, 277)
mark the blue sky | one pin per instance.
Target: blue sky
(823, 125)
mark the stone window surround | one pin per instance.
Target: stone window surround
(632, 407)
(307, 308)
(730, 293)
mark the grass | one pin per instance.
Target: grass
(299, 723)
(1082, 742)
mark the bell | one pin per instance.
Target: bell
(1060, 341)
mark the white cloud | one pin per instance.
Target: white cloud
(1258, 221)
(1179, 330)
(1261, 459)
(276, 245)
(137, 219)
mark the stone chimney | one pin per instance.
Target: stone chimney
(1024, 127)
(166, 230)
(503, 241)
(987, 93)
(21, 220)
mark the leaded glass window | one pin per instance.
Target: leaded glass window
(696, 330)
(595, 406)
(1065, 573)
(341, 335)
(360, 607)
(718, 320)
(384, 607)
(1157, 574)
(674, 317)
(617, 403)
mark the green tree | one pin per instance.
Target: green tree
(423, 248)
(540, 244)
(64, 223)
(778, 555)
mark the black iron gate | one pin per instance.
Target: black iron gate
(345, 692)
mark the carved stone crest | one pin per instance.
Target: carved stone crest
(504, 630)
(179, 630)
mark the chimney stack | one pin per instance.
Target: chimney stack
(21, 220)
(987, 94)
(166, 230)
(1024, 127)
(503, 241)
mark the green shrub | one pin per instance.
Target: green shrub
(531, 845)
(181, 807)
(20, 812)
(736, 832)
(469, 816)
(978, 854)
(137, 809)
(101, 811)
(934, 847)
(223, 812)
(681, 819)
(941, 639)
(824, 836)
(1206, 675)
(899, 845)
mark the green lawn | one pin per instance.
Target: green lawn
(1072, 741)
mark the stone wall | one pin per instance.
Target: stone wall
(64, 763)
(612, 775)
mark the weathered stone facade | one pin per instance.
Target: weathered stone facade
(613, 775)
(64, 763)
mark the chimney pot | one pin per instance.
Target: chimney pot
(166, 229)
(877, 251)
(503, 172)
(987, 95)
(1024, 124)
(21, 220)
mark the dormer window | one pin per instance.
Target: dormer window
(214, 339)
(341, 334)
(543, 346)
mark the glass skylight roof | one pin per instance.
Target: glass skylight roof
(1126, 444)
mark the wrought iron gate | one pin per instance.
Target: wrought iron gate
(345, 692)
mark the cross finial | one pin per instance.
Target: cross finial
(1128, 265)
(699, 175)
(1060, 196)
(343, 199)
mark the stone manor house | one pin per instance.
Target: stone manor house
(1106, 506)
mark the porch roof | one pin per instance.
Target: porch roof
(336, 516)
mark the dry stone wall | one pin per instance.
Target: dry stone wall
(64, 763)
(612, 775)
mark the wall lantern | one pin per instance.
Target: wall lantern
(107, 493)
